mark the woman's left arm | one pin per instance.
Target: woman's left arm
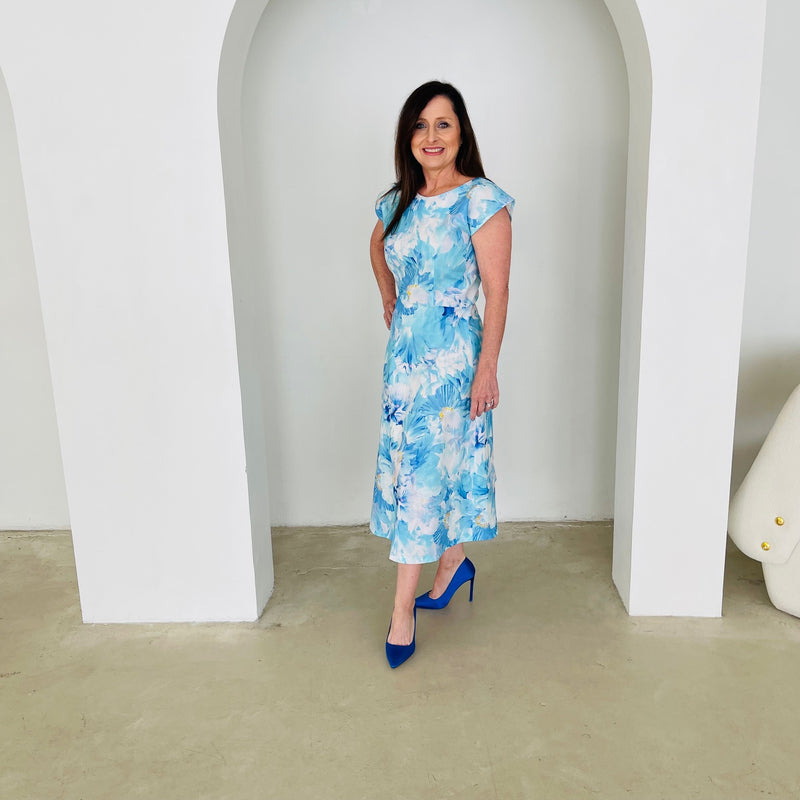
(492, 243)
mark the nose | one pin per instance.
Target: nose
(431, 134)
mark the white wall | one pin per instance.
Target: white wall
(769, 366)
(32, 493)
(546, 86)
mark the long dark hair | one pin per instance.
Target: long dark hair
(409, 172)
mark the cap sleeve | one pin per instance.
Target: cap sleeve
(485, 200)
(385, 205)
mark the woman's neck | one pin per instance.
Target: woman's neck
(441, 181)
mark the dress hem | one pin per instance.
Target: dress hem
(485, 537)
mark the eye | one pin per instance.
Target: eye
(444, 124)
(419, 126)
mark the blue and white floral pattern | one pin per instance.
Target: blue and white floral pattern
(434, 484)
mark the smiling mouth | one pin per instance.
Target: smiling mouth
(433, 151)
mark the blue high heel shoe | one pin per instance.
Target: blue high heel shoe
(396, 654)
(464, 573)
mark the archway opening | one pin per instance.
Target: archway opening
(317, 148)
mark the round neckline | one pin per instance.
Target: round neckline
(442, 194)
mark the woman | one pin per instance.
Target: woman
(442, 230)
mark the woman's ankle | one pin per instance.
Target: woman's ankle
(448, 563)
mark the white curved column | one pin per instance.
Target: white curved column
(116, 111)
(243, 264)
(686, 250)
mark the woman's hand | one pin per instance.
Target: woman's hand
(485, 393)
(388, 311)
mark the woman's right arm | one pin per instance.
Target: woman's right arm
(383, 274)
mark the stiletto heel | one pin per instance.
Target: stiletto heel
(396, 654)
(464, 573)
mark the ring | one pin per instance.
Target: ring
(490, 401)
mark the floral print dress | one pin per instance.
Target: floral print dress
(434, 483)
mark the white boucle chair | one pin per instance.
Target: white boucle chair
(764, 520)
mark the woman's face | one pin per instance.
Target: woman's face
(437, 135)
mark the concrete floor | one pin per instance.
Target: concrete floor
(542, 688)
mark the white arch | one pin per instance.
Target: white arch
(244, 20)
(642, 547)
(147, 392)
